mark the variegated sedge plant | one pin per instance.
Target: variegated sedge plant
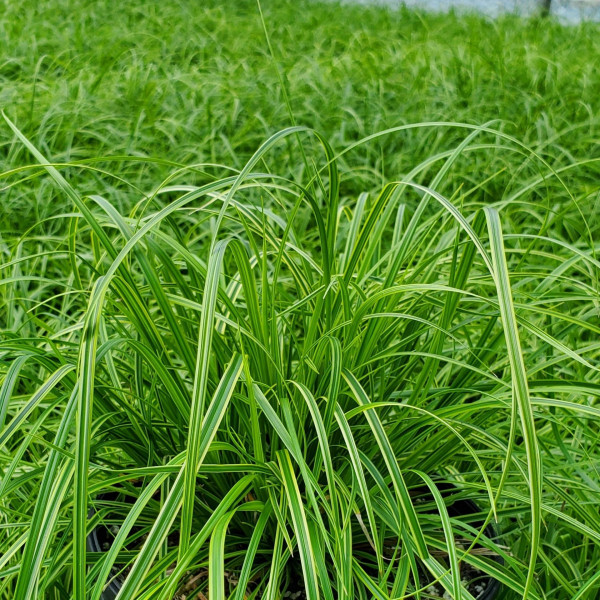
(248, 380)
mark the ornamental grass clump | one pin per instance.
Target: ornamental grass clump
(259, 386)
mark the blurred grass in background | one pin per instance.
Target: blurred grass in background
(194, 83)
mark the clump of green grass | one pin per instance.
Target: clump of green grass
(265, 372)
(259, 368)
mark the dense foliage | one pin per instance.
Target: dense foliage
(266, 360)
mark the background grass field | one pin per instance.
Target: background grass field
(274, 346)
(175, 82)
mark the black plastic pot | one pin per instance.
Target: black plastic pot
(96, 542)
(466, 506)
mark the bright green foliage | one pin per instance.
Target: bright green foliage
(258, 370)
